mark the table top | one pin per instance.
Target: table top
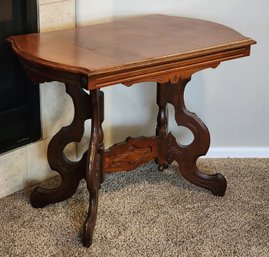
(128, 44)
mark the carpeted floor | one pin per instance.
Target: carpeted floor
(149, 213)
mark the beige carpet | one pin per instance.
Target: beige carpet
(149, 213)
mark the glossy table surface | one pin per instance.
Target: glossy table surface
(127, 44)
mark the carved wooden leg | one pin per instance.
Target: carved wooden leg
(71, 172)
(101, 136)
(186, 156)
(94, 167)
(162, 122)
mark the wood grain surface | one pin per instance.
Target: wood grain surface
(122, 46)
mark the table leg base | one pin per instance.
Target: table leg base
(216, 183)
(71, 172)
(89, 223)
(162, 167)
(41, 197)
(163, 148)
(187, 155)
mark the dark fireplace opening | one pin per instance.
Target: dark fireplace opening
(19, 97)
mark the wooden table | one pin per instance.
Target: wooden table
(156, 48)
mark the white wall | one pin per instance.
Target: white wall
(233, 100)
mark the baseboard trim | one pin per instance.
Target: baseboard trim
(238, 152)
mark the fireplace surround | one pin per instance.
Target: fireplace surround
(19, 97)
(27, 165)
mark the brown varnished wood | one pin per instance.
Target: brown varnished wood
(170, 72)
(162, 126)
(93, 169)
(39, 73)
(71, 172)
(101, 135)
(130, 154)
(186, 156)
(156, 48)
(133, 49)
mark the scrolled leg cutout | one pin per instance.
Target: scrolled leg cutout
(71, 172)
(186, 156)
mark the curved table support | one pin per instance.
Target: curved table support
(186, 155)
(71, 172)
(164, 148)
(86, 106)
(162, 126)
(94, 173)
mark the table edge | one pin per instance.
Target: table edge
(94, 77)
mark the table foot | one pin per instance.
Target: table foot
(216, 183)
(89, 224)
(41, 197)
(94, 173)
(163, 166)
(187, 155)
(71, 172)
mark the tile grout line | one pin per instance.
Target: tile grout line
(54, 2)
